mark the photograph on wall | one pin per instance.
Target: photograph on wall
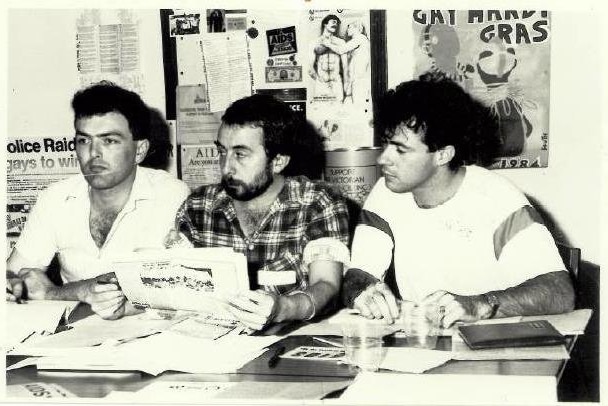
(502, 57)
(184, 24)
(338, 76)
(215, 20)
(236, 20)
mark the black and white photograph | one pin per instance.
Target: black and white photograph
(304, 202)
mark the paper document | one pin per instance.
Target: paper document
(415, 360)
(392, 388)
(166, 351)
(571, 323)
(37, 390)
(194, 279)
(28, 321)
(94, 331)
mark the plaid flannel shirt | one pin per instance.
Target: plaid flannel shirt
(304, 211)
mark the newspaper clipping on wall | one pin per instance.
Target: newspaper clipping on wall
(503, 58)
(32, 164)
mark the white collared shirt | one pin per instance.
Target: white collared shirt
(59, 223)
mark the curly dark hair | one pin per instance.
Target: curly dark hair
(144, 123)
(445, 114)
(326, 19)
(284, 131)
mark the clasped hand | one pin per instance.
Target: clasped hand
(256, 309)
(378, 302)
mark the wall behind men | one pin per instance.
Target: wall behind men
(568, 191)
(42, 77)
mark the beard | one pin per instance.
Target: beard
(243, 191)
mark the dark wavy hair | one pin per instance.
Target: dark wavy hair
(444, 114)
(106, 97)
(284, 131)
(326, 19)
(144, 123)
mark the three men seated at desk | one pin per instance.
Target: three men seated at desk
(436, 229)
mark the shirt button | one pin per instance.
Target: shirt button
(250, 247)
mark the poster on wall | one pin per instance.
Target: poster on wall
(32, 164)
(502, 57)
(195, 123)
(276, 49)
(338, 76)
(200, 165)
(227, 68)
(108, 48)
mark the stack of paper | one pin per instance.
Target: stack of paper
(33, 319)
(166, 351)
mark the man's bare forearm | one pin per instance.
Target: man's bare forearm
(550, 293)
(299, 307)
(70, 291)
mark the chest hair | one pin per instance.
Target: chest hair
(250, 220)
(100, 224)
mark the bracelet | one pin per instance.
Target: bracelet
(312, 302)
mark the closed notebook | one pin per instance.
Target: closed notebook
(522, 334)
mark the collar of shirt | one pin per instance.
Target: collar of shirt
(291, 194)
(142, 189)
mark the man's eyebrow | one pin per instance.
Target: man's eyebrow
(101, 135)
(245, 147)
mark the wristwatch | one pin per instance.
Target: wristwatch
(494, 303)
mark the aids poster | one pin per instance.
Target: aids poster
(502, 57)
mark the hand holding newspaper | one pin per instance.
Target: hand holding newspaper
(194, 279)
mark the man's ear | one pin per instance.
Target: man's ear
(280, 162)
(444, 155)
(142, 150)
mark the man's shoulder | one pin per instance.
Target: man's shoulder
(207, 193)
(494, 188)
(164, 182)
(309, 191)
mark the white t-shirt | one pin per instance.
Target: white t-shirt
(59, 223)
(486, 237)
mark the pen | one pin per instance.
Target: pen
(274, 359)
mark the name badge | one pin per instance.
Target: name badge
(268, 278)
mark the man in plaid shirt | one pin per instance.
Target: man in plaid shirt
(293, 231)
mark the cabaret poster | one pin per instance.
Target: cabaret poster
(502, 57)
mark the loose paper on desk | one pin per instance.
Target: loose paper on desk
(29, 320)
(415, 360)
(390, 388)
(167, 351)
(37, 390)
(182, 278)
(94, 331)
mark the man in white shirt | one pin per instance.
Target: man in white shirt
(115, 207)
(443, 232)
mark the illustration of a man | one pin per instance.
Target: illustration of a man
(327, 68)
(356, 80)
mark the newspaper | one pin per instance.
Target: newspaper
(194, 279)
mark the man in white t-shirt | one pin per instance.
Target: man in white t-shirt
(116, 207)
(443, 232)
